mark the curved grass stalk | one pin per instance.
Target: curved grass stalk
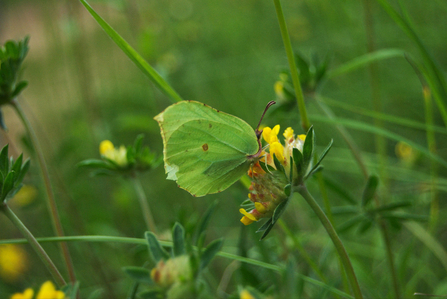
(141, 241)
(46, 260)
(51, 202)
(133, 55)
(147, 214)
(292, 65)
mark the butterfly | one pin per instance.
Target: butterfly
(206, 150)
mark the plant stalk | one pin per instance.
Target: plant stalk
(305, 123)
(335, 239)
(51, 203)
(150, 223)
(34, 244)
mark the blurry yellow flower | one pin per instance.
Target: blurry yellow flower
(405, 152)
(27, 294)
(279, 89)
(244, 294)
(25, 196)
(13, 262)
(270, 135)
(48, 291)
(174, 270)
(119, 156)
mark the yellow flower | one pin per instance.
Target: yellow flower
(279, 89)
(405, 152)
(27, 294)
(270, 135)
(244, 294)
(13, 262)
(288, 133)
(119, 156)
(174, 270)
(277, 149)
(248, 218)
(48, 291)
(25, 196)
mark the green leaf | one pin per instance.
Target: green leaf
(138, 144)
(205, 150)
(23, 171)
(266, 167)
(340, 190)
(298, 159)
(210, 251)
(370, 189)
(71, 290)
(267, 230)
(279, 210)
(343, 210)
(17, 166)
(278, 165)
(148, 70)
(139, 274)
(365, 225)
(288, 189)
(265, 225)
(178, 238)
(393, 206)
(323, 154)
(314, 171)
(20, 86)
(4, 161)
(8, 185)
(303, 67)
(350, 223)
(95, 163)
(291, 170)
(308, 149)
(364, 60)
(157, 252)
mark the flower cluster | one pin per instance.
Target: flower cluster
(47, 291)
(174, 271)
(117, 155)
(267, 187)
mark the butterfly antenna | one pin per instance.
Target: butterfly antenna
(258, 133)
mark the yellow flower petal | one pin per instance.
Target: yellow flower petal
(275, 130)
(277, 149)
(266, 133)
(13, 262)
(288, 133)
(246, 221)
(48, 291)
(260, 207)
(279, 88)
(248, 215)
(302, 137)
(27, 294)
(270, 135)
(244, 294)
(105, 146)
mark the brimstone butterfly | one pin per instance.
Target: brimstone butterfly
(206, 150)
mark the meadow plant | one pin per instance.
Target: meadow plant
(378, 200)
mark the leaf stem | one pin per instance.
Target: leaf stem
(51, 203)
(305, 123)
(34, 244)
(335, 239)
(146, 210)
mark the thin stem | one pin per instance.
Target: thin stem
(386, 238)
(305, 123)
(335, 239)
(55, 219)
(431, 141)
(144, 205)
(223, 254)
(34, 244)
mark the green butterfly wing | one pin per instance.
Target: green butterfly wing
(205, 150)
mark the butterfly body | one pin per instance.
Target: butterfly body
(205, 150)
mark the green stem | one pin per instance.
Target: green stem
(335, 239)
(305, 123)
(223, 254)
(34, 244)
(389, 253)
(144, 205)
(55, 219)
(431, 141)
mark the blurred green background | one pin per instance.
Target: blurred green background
(227, 54)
